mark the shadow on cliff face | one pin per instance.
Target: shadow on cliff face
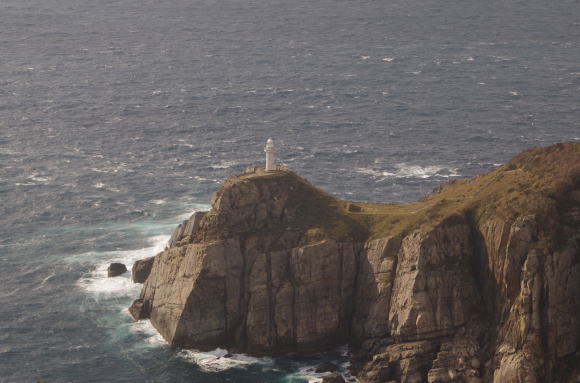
(524, 269)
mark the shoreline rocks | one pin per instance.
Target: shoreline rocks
(116, 269)
(141, 269)
(139, 309)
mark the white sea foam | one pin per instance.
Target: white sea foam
(225, 164)
(220, 360)
(196, 207)
(209, 361)
(201, 178)
(388, 59)
(5, 294)
(309, 373)
(146, 329)
(411, 171)
(98, 283)
(38, 178)
(44, 281)
(117, 292)
(502, 58)
(109, 169)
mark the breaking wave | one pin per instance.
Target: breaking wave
(411, 171)
(97, 282)
(220, 359)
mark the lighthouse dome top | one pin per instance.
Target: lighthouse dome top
(270, 142)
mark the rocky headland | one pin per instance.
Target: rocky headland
(477, 282)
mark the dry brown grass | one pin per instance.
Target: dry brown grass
(531, 183)
(539, 181)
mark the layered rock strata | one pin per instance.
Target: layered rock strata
(479, 282)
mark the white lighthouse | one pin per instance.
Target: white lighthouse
(270, 155)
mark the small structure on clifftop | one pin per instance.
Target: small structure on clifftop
(270, 153)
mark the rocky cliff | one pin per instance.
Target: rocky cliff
(478, 282)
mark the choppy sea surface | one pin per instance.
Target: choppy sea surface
(118, 118)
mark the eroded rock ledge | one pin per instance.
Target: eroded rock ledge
(479, 282)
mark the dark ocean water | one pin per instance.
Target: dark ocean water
(118, 118)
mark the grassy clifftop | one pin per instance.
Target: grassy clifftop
(541, 181)
(307, 208)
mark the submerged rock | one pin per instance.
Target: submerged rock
(116, 269)
(142, 269)
(478, 282)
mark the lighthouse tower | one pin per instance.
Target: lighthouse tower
(270, 153)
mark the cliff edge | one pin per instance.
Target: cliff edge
(478, 282)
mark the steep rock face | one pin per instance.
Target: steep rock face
(377, 267)
(434, 292)
(434, 316)
(240, 295)
(238, 285)
(513, 319)
(536, 305)
(479, 282)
